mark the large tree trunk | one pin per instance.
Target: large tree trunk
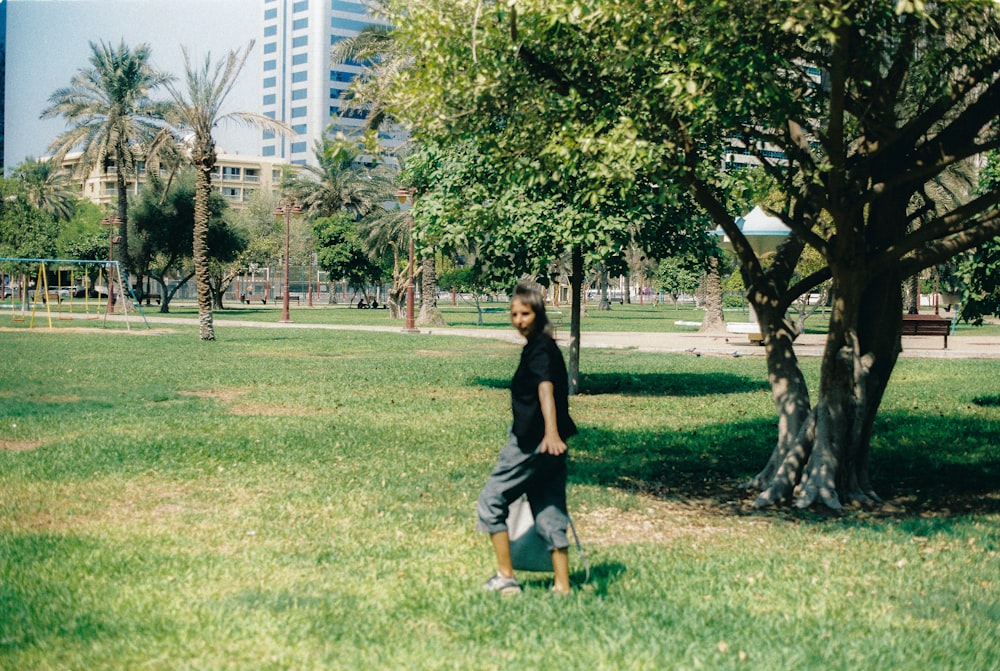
(429, 315)
(822, 453)
(714, 321)
(204, 161)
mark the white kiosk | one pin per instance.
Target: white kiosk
(764, 233)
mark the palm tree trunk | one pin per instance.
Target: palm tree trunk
(203, 188)
(121, 247)
(714, 321)
(429, 315)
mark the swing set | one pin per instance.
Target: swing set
(26, 283)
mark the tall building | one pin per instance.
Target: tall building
(3, 77)
(298, 83)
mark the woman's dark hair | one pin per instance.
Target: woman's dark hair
(532, 297)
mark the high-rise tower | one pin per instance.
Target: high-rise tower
(299, 85)
(3, 77)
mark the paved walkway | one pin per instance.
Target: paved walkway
(959, 346)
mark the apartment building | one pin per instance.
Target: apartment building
(235, 176)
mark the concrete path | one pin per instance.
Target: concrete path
(959, 346)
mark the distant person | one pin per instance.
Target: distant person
(533, 461)
(361, 304)
(374, 304)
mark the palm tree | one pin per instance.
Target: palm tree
(47, 188)
(197, 110)
(377, 48)
(388, 231)
(112, 120)
(340, 183)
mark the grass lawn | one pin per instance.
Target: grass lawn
(304, 499)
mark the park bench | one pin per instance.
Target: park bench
(750, 329)
(291, 298)
(244, 298)
(927, 325)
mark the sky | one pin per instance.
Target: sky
(48, 42)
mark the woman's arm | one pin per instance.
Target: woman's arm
(552, 443)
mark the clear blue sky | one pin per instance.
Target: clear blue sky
(48, 41)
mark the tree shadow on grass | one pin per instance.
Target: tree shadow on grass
(919, 464)
(655, 384)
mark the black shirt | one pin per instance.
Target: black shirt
(541, 361)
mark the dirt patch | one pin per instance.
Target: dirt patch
(234, 398)
(224, 395)
(256, 410)
(656, 522)
(55, 398)
(19, 445)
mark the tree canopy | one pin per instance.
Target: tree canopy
(112, 119)
(853, 108)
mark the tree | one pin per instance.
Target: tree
(225, 244)
(25, 231)
(113, 121)
(520, 227)
(340, 253)
(162, 223)
(198, 109)
(377, 50)
(47, 188)
(980, 270)
(851, 107)
(676, 276)
(341, 182)
(387, 232)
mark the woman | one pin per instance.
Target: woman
(533, 461)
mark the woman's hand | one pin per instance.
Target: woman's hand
(554, 446)
(552, 443)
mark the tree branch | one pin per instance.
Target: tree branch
(546, 71)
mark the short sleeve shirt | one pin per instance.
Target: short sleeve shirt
(541, 361)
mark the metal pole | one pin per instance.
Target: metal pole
(284, 298)
(286, 210)
(310, 280)
(410, 322)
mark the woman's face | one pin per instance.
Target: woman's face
(522, 317)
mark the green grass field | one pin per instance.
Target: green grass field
(304, 499)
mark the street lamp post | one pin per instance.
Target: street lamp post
(285, 211)
(403, 195)
(312, 262)
(112, 222)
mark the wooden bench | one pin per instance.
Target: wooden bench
(291, 298)
(253, 299)
(927, 325)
